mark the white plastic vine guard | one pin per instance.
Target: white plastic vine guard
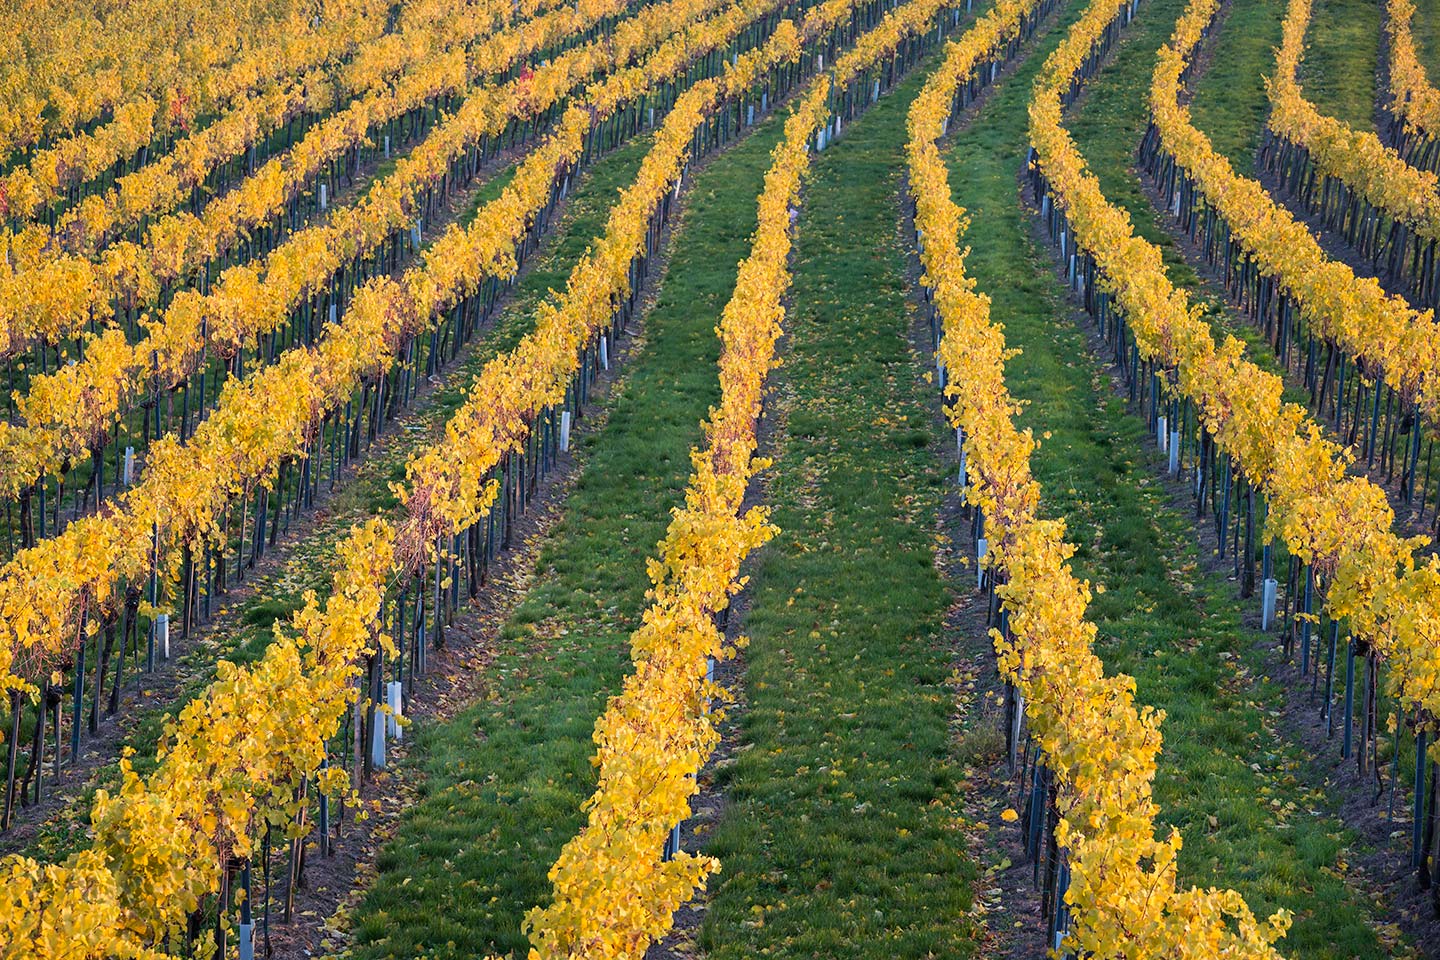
(1267, 602)
(377, 746)
(395, 699)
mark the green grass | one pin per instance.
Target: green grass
(1341, 48)
(502, 783)
(841, 836)
(1229, 103)
(1426, 27)
(488, 191)
(1163, 619)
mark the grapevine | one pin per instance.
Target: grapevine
(1414, 102)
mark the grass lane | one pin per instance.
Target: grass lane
(1229, 103)
(1262, 829)
(841, 835)
(501, 784)
(1341, 51)
(1426, 27)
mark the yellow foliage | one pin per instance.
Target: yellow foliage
(1412, 98)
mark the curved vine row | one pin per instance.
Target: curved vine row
(1414, 102)
(617, 884)
(1118, 882)
(1387, 209)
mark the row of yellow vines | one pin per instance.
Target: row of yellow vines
(1412, 99)
(1122, 890)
